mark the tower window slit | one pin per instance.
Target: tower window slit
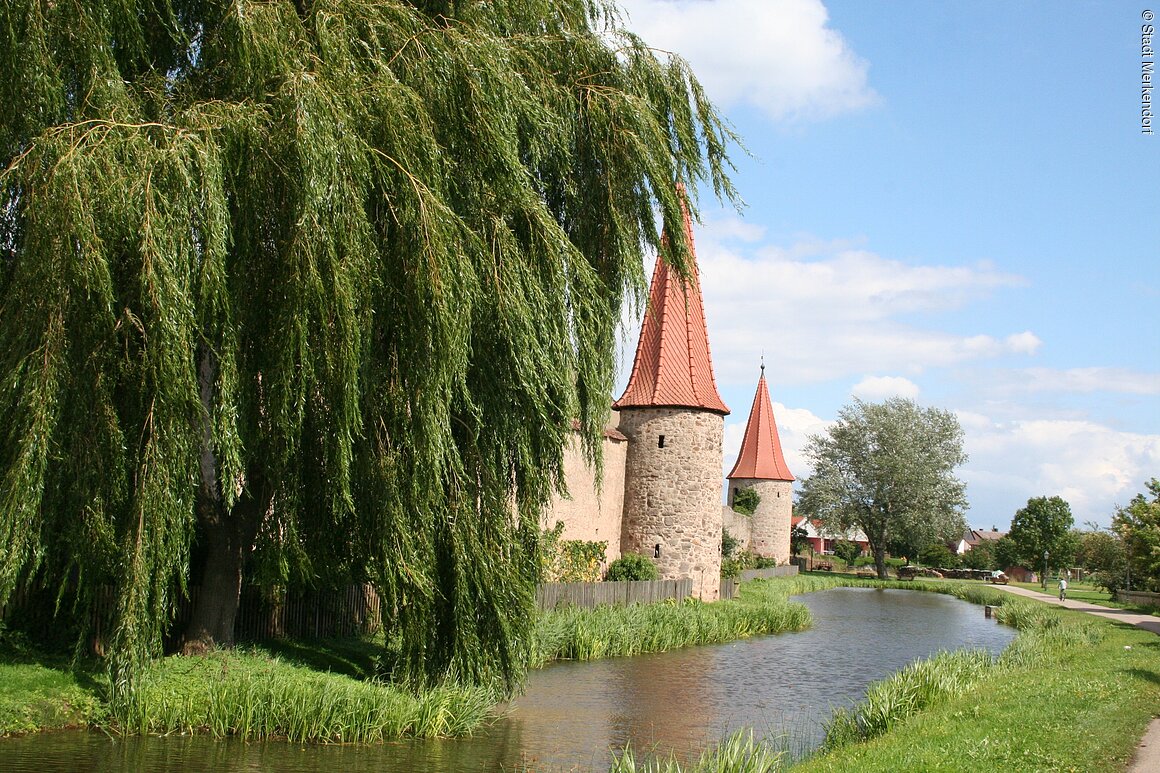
(661, 442)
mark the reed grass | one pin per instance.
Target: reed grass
(616, 631)
(739, 753)
(920, 685)
(252, 695)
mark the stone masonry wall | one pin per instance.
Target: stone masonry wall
(590, 513)
(738, 526)
(769, 527)
(672, 493)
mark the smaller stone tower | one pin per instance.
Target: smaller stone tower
(761, 466)
(674, 420)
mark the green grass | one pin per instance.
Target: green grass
(591, 634)
(1071, 693)
(1091, 594)
(251, 694)
(41, 691)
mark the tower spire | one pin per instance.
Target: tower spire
(761, 457)
(673, 366)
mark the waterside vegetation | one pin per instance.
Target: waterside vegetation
(1047, 702)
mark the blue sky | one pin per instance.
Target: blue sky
(948, 202)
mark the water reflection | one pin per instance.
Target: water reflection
(573, 714)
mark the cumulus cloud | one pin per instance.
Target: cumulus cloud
(1086, 380)
(778, 56)
(1090, 465)
(828, 310)
(875, 388)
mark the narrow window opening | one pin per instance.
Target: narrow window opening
(661, 442)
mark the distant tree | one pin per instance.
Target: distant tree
(1044, 525)
(1138, 525)
(799, 540)
(746, 501)
(847, 551)
(1007, 553)
(888, 469)
(981, 556)
(1102, 554)
(938, 556)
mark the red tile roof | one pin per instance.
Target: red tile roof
(761, 456)
(673, 367)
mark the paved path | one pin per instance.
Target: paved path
(1147, 758)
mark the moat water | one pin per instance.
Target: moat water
(574, 716)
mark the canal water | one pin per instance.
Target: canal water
(574, 715)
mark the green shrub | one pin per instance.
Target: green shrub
(569, 560)
(746, 501)
(631, 567)
(938, 556)
(729, 543)
(847, 551)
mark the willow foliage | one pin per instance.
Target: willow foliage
(330, 278)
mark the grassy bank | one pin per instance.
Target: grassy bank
(604, 632)
(39, 691)
(1065, 693)
(1071, 693)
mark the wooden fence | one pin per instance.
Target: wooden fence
(593, 594)
(356, 609)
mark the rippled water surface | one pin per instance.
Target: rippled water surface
(573, 713)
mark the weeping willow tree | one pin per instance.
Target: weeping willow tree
(310, 290)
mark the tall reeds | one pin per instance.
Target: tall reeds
(255, 696)
(739, 753)
(590, 634)
(919, 685)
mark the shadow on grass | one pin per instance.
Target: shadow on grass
(355, 658)
(1145, 674)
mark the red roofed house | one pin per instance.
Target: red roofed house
(822, 540)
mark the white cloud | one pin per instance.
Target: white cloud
(1090, 465)
(776, 55)
(1086, 380)
(874, 388)
(825, 310)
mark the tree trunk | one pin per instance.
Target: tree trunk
(229, 536)
(216, 604)
(880, 561)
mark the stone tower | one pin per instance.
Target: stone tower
(674, 420)
(761, 466)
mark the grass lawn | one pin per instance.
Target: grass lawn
(1075, 705)
(1082, 591)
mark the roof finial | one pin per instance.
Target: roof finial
(763, 362)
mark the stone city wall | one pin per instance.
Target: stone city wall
(590, 512)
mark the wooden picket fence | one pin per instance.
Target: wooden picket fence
(593, 594)
(356, 610)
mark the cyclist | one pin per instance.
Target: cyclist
(1062, 589)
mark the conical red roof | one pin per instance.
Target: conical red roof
(761, 456)
(673, 367)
